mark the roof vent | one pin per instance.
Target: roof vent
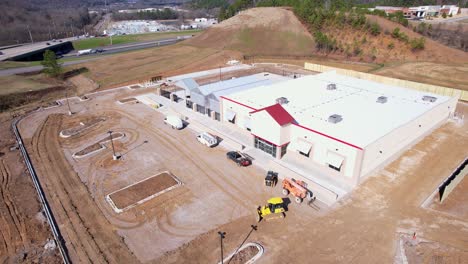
(282, 100)
(381, 99)
(428, 98)
(335, 118)
(331, 86)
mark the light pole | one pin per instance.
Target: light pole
(114, 156)
(221, 236)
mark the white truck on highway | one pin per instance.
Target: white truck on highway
(84, 52)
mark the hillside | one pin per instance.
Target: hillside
(275, 31)
(259, 31)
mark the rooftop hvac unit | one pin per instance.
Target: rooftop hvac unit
(282, 100)
(335, 118)
(428, 98)
(381, 99)
(331, 86)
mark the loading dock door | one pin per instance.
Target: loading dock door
(230, 115)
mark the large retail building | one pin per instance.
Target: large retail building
(348, 127)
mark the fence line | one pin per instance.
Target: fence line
(441, 90)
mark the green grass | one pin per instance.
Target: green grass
(122, 39)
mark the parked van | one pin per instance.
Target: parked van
(174, 121)
(207, 139)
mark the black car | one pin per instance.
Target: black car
(238, 158)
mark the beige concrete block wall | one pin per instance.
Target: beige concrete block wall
(446, 91)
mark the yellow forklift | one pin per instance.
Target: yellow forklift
(274, 209)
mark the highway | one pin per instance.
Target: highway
(107, 50)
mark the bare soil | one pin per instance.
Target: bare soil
(24, 230)
(444, 74)
(83, 84)
(259, 31)
(87, 124)
(142, 190)
(433, 51)
(421, 251)
(244, 255)
(455, 203)
(89, 236)
(89, 149)
(127, 100)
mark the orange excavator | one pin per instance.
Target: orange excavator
(298, 189)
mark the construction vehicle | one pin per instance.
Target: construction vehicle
(275, 208)
(271, 179)
(298, 189)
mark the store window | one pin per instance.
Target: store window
(265, 146)
(284, 149)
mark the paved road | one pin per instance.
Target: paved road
(132, 46)
(446, 20)
(108, 50)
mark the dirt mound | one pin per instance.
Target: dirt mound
(275, 31)
(259, 31)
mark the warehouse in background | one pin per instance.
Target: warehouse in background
(337, 125)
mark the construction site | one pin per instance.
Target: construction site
(123, 186)
(190, 154)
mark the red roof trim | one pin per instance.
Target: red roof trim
(306, 128)
(330, 137)
(278, 113)
(237, 102)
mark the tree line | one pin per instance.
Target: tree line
(25, 20)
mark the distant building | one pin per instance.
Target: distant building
(450, 9)
(201, 19)
(425, 11)
(389, 9)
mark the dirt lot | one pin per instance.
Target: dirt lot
(182, 224)
(455, 203)
(135, 193)
(448, 74)
(24, 230)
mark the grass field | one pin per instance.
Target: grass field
(122, 39)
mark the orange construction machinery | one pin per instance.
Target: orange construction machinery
(298, 189)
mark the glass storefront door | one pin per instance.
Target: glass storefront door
(265, 146)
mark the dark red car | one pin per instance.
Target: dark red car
(238, 158)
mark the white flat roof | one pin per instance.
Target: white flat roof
(363, 119)
(241, 83)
